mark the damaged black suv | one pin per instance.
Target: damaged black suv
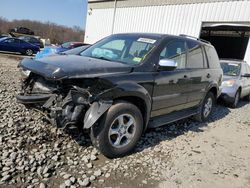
(124, 84)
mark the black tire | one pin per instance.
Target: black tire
(235, 103)
(29, 52)
(202, 116)
(100, 133)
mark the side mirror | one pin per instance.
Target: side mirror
(167, 65)
(247, 75)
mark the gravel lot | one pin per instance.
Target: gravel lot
(183, 154)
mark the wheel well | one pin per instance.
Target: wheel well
(240, 89)
(214, 91)
(137, 101)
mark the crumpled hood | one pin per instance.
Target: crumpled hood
(73, 66)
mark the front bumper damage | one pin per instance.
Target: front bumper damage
(77, 108)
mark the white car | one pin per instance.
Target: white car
(236, 81)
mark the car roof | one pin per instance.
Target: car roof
(162, 36)
(232, 61)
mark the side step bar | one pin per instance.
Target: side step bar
(172, 117)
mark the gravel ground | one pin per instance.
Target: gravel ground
(183, 154)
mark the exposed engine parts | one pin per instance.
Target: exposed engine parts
(65, 106)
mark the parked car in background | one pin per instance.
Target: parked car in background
(124, 84)
(21, 30)
(236, 81)
(9, 44)
(32, 40)
(58, 49)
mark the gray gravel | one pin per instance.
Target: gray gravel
(36, 154)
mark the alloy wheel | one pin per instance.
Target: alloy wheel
(208, 107)
(29, 52)
(122, 130)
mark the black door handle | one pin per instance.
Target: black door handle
(208, 75)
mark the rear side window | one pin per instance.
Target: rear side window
(33, 40)
(175, 50)
(212, 57)
(195, 56)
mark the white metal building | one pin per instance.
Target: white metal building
(225, 23)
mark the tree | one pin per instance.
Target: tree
(48, 30)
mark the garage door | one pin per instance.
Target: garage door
(231, 40)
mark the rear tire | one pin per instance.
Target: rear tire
(235, 103)
(29, 52)
(206, 108)
(119, 130)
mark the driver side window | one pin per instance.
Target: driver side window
(175, 50)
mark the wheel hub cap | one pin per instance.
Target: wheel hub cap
(208, 107)
(122, 130)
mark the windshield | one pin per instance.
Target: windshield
(125, 49)
(231, 69)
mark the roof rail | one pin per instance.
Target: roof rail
(192, 37)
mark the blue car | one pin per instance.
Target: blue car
(50, 50)
(8, 44)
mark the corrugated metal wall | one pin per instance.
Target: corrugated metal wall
(171, 19)
(140, 3)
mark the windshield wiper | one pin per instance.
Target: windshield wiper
(103, 58)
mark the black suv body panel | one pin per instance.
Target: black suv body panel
(86, 81)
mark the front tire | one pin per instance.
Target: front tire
(119, 130)
(206, 107)
(235, 103)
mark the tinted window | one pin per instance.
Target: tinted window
(9, 41)
(195, 57)
(24, 30)
(12, 40)
(33, 40)
(175, 50)
(212, 57)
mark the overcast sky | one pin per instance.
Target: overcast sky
(63, 12)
